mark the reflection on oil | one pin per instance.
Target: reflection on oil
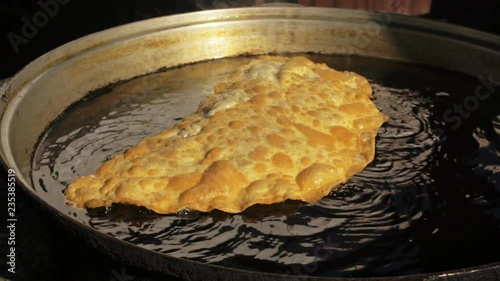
(137, 216)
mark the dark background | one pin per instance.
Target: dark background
(45, 251)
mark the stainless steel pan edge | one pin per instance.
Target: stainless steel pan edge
(4, 97)
(5, 85)
(45, 88)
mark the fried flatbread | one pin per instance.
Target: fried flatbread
(278, 128)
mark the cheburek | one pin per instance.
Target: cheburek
(279, 128)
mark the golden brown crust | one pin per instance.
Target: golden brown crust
(279, 128)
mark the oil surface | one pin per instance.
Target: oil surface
(430, 201)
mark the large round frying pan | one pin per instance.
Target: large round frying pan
(427, 207)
